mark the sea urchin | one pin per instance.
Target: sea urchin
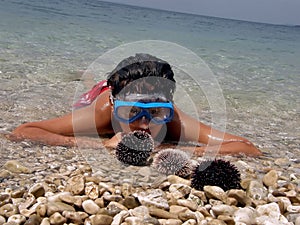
(216, 172)
(172, 161)
(135, 148)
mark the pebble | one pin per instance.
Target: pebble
(214, 192)
(90, 207)
(271, 178)
(245, 215)
(15, 166)
(256, 190)
(18, 219)
(75, 185)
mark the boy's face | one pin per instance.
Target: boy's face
(148, 113)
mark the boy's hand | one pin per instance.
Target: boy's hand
(114, 141)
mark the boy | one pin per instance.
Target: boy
(138, 95)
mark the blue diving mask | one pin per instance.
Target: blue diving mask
(156, 112)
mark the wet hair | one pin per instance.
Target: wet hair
(157, 77)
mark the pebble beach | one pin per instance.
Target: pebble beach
(56, 185)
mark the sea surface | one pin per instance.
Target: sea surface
(45, 46)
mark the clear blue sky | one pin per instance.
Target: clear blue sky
(266, 11)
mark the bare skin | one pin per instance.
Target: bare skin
(97, 118)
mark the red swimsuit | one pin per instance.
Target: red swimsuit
(88, 97)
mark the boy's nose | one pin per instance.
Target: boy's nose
(144, 123)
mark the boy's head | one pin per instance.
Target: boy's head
(151, 76)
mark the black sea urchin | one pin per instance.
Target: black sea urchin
(172, 161)
(216, 173)
(135, 148)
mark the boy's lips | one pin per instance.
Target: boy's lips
(146, 130)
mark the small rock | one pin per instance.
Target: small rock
(173, 179)
(37, 190)
(223, 210)
(130, 202)
(190, 222)
(132, 220)
(15, 166)
(160, 213)
(188, 203)
(154, 198)
(170, 222)
(126, 189)
(117, 220)
(75, 217)
(90, 207)
(179, 190)
(2, 220)
(53, 207)
(101, 219)
(75, 185)
(256, 190)
(8, 210)
(293, 208)
(114, 208)
(57, 219)
(245, 215)
(297, 221)
(91, 190)
(45, 221)
(240, 196)
(141, 212)
(271, 178)
(18, 219)
(33, 220)
(214, 192)
(70, 199)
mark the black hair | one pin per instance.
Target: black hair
(143, 66)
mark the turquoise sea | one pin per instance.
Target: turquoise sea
(45, 44)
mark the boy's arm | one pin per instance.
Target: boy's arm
(216, 141)
(62, 131)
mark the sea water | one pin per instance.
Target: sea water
(45, 46)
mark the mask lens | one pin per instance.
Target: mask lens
(127, 112)
(159, 113)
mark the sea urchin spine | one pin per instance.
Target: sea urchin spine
(216, 172)
(172, 161)
(135, 148)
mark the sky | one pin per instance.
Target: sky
(286, 12)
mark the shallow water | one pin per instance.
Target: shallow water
(45, 45)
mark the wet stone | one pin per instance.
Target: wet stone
(8, 210)
(90, 207)
(75, 217)
(256, 190)
(271, 178)
(91, 190)
(114, 208)
(33, 220)
(75, 185)
(101, 219)
(57, 219)
(154, 198)
(53, 207)
(17, 219)
(214, 192)
(15, 166)
(37, 190)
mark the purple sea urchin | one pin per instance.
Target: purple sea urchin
(172, 161)
(216, 172)
(135, 148)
